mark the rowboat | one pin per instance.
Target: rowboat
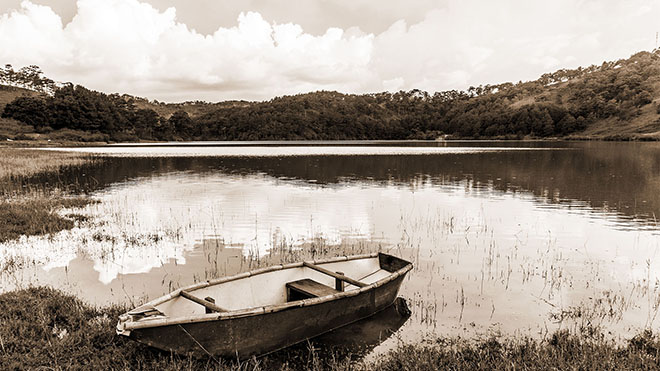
(261, 311)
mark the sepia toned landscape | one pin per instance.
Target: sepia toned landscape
(495, 225)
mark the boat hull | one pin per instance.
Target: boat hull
(258, 334)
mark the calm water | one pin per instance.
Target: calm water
(506, 237)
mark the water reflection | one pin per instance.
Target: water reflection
(623, 178)
(129, 275)
(502, 240)
(354, 340)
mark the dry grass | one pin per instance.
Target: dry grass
(34, 212)
(10, 129)
(20, 162)
(36, 216)
(562, 351)
(9, 93)
(42, 328)
(646, 124)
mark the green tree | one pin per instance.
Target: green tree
(181, 124)
(144, 122)
(30, 110)
(567, 124)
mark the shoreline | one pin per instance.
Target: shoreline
(33, 144)
(44, 327)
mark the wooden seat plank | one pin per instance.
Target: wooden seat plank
(207, 304)
(308, 289)
(335, 275)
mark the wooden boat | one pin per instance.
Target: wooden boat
(258, 312)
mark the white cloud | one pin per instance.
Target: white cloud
(475, 42)
(130, 46)
(33, 34)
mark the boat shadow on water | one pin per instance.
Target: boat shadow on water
(352, 341)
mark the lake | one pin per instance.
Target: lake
(512, 238)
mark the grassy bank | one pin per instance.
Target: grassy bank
(563, 351)
(20, 162)
(34, 211)
(45, 328)
(37, 215)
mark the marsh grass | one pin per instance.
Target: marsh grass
(37, 216)
(32, 211)
(43, 328)
(20, 162)
(562, 351)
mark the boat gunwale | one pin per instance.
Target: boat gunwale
(125, 326)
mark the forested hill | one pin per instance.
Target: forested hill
(619, 99)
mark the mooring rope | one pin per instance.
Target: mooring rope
(200, 345)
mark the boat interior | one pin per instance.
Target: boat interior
(274, 287)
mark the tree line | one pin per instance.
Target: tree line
(28, 77)
(556, 104)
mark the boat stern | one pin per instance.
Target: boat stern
(121, 325)
(145, 312)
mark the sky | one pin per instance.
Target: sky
(215, 50)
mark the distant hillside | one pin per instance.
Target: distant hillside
(614, 100)
(10, 128)
(193, 109)
(620, 98)
(9, 93)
